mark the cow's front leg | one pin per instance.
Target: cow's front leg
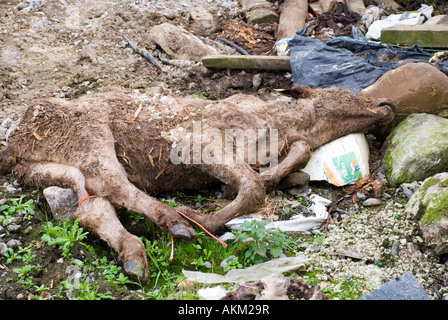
(298, 156)
(250, 197)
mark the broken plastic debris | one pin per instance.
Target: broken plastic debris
(254, 273)
(405, 18)
(340, 162)
(282, 48)
(213, 293)
(297, 223)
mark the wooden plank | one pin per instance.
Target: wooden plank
(427, 36)
(247, 62)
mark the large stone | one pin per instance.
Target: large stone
(259, 11)
(405, 287)
(294, 179)
(430, 206)
(62, 202)
(417, 149)
(413, 88)
(179, 43)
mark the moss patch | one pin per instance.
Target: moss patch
(436, 209)
(432, 200)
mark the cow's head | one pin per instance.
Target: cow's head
(339, 112)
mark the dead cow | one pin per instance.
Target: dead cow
(115, 149)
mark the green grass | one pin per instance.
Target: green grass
(253, 244)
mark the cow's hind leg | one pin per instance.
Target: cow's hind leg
(110, 180)
(96, 214)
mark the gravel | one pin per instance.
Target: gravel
(388, 245)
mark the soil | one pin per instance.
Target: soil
(67, 49)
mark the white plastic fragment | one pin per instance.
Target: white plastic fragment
(254, 273)
(405, 18)
(297, 223)
(213, 293)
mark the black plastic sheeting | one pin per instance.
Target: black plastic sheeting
(347, 62)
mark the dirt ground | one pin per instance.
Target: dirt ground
(68, 48)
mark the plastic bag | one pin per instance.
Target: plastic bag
(346, 62)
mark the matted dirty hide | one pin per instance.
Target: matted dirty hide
(116, 150)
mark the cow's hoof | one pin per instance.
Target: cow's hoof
(135, 271)
(183, 232)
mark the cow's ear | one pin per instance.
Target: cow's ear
(297, 92)
(301, 92)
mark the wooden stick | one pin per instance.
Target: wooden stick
(144, 53)
(247, 62)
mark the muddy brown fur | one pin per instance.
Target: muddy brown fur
(117, 147)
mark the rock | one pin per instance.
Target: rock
(417, 149)
(224, 262)
(372, 202)
(2, 133)
(15, 220)
(13, 228)
(201, 18)
(395, 250)
(405, 287)
(178, 43)
(413, 88)
(11, 189)
(62, 202)
(294, 179)
(327, 5)
(439, 19)
(21, 296)
(259, 11)
(430, 206)
(14, 243)
(410, 188)
(227, 237)
(3, 247)
(6, 123)
(256, 81)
